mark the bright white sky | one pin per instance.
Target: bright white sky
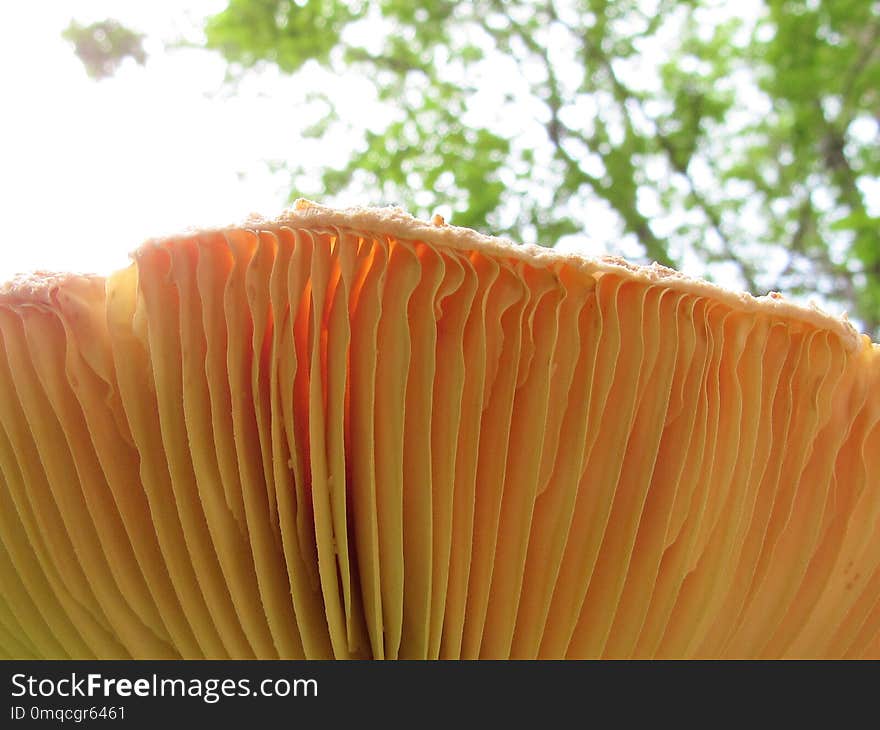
(88, 170)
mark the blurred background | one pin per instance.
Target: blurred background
(734, 141)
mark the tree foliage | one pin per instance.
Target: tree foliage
(103, 46)
(730, 143)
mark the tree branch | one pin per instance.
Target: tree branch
(558, 131)
(623, 95)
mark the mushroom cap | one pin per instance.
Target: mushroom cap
(350, 434)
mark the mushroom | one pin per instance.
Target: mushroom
(349, 433)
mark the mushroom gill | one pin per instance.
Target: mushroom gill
(353, 434)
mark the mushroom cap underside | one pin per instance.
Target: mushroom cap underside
(353, 434)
